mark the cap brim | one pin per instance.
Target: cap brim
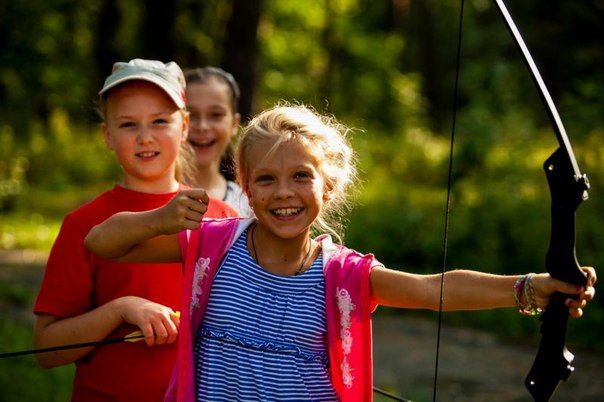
(176, 97)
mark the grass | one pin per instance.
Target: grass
(21, 379)
(36, 219)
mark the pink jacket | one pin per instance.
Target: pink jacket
(348, 303)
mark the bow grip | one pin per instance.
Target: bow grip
(553, 362)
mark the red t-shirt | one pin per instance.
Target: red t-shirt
(76, 281)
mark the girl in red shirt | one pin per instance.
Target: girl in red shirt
(85, 298)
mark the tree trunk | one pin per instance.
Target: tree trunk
(106, 51)
(240, 56)
(157, 30)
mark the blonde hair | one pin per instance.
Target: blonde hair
(325, 140)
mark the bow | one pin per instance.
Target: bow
(568, 188)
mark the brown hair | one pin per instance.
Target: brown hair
(202, 75)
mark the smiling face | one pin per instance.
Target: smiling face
(285, 188)
(213, 121)
(145, 129)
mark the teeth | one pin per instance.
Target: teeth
(286, 211)
(202, 143)
(147, 154)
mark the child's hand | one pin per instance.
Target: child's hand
(184, 211)
(158, 323)
(544, 285)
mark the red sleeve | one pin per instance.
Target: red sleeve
(66, 289)
(219, 209)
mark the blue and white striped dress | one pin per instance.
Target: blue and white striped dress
(263, 336)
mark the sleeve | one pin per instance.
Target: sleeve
(219, 209)
(183, 242)
(373, 305)
(67, 287)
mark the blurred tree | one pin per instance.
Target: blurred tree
(157, 30)
(240, 50)
(106, 46)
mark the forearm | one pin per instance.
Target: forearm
(463, 290)
(472, 290)
(117, 235)
(92, 326)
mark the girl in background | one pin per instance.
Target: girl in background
(84, 298)
(273, 313)
(212, 100)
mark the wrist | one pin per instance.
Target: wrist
(117, 308)
(524, 295)
(155, 222)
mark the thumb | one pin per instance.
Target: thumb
(566, 288)
(198, 194)
(175, 317)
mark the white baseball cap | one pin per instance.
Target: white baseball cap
(168, 77)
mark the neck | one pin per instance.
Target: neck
(161, 186)
(281, 256)
(210, 179)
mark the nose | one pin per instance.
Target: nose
(284, 190)
(199, 122)
(144, 136)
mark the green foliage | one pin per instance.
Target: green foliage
(386, 69)
(18, 374)
(58, 157)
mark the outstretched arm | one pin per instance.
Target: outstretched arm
(149, 236)
(470, 290)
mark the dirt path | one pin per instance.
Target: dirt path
(474, 366)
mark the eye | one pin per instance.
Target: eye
(160, 121)
(218, 115)
(126, 124)
(302, 175)
(264, 178)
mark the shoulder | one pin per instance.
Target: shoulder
(234, 188)
(220, 209)
(237, 198)
(93, 211)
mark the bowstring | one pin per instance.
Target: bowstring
(448, 201)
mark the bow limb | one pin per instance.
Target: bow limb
(568, 188)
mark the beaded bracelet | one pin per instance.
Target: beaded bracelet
(524, 286)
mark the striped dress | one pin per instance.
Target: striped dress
(263, 336)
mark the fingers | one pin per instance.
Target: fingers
(199, 195)
(575, 313)
(545, 286)
(565, 287)
(158, 323)
(164, 328)
(590, 273)
(184, 211)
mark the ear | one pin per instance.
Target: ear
(235, 126)
(107, 136)
(327, 190)
(185, 126)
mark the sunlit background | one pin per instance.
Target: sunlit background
(386, 68)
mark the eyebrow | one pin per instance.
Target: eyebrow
(126, 116)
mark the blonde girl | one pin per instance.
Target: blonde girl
(84, 298)
(275, 314)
